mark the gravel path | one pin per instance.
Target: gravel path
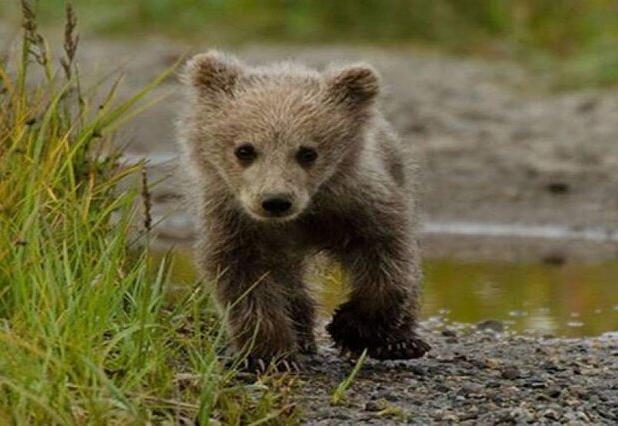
(473, 375)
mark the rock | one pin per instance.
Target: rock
(552, 367)
(447, 332)
(521, 414)
(468, 416)
(510, 373)
(554, 391)
(577, 417)
(558, 187)
(472, 389)
(442, 388)
(491, 363)
(417, 369)
(448, 417)
(535, 384)
(478, 363)
(497, 398)
(377, 405)
(551, 414)
(491, 325)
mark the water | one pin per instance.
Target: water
(568, 300)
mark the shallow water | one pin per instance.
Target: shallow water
(565, 300)
(562, 300)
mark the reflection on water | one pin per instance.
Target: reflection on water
(567, 300)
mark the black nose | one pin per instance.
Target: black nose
(276, 204)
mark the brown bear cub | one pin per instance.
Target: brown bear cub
(285, 162)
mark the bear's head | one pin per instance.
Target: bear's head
(277, 134)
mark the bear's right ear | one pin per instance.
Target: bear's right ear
(213, 73)
(355, 86)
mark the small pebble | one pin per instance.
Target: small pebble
(472, 389)
(377, 405)
(551, 414)
(492, 325)
(558, 187)
(417, 369)
(510, 373)
(447, 332)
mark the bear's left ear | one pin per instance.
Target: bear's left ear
(355, 86)
(213, 73)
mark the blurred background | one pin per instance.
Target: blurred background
(511, 107)
(580, 34)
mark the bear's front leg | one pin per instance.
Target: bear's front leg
(302, 309)
(382, 263)
(251, 286)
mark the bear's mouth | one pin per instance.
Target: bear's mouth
(263, 216)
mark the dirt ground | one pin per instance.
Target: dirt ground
(494, 145)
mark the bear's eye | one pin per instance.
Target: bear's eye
(245, 153)
(306, 156)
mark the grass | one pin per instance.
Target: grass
(576, 40)
(340, 392)
(86, 333)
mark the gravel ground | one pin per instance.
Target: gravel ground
(475, 374)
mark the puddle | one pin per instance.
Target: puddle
(570, 300)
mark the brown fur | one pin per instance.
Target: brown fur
(354, 203)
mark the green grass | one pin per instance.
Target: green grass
(86, 333)
(576, 40)
(344, 386)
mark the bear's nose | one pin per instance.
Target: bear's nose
(276, 204)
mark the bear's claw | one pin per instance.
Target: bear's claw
(259, 365)
(412, 347)
(308, 347)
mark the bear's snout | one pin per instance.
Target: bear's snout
(277, 204)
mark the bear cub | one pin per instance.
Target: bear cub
(285, 162)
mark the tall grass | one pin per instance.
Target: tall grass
(86, 333)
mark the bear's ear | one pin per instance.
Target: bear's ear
(213, 73)
(355, 86)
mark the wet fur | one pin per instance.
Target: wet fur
(357, 205)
